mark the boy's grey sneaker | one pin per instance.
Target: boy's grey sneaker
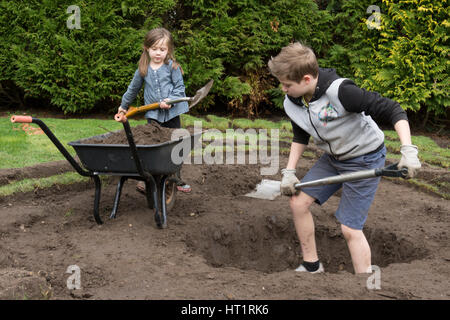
(302, 268)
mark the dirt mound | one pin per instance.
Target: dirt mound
(232, 180)
(438, 178)
(145, 134)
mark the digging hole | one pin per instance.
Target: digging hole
(270, 244)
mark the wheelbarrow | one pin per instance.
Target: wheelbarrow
(152, 164)
(149, 163)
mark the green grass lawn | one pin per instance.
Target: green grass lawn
(429, 151)
(19, 149)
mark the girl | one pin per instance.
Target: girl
(163, 80)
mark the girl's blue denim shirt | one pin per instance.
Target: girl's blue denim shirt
(165, 82)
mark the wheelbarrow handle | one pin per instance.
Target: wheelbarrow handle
(120, 117)
(22, 119)
(389, 171)
(56, 142)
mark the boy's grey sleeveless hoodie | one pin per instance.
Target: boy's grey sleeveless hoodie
(335, 130)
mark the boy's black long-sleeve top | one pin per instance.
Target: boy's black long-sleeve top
(353, 99)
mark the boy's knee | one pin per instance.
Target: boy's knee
(350, 233)
(300, 203)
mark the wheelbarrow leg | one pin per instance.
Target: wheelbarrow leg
(117, 197)
(162, 194)
(151, 189)
(98, 187)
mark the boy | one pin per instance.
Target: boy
(338, 115)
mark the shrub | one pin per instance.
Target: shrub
(74, 68)
(232, 41)
(406, 59)
(410, 63)
(78, 69)
(229, 41)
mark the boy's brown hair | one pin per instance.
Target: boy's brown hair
(294, 62)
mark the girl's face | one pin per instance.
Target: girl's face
(158, 51)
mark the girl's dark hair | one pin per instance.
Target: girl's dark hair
(152, 37)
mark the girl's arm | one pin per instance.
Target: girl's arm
(179, 89)
(132, 91)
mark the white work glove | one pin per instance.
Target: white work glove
(409, 159)
(288, 182)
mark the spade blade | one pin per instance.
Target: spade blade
(266, 189)
(201, 93)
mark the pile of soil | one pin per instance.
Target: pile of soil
(219, 244)
(145, 134)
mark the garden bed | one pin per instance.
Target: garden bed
(218, 244)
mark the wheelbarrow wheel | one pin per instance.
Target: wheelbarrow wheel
(171, 194)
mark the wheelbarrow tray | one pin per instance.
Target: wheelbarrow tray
(117, 158)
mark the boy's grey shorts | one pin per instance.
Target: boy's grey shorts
(357, 196)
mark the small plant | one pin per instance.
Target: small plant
(46, 293)
(68, 213)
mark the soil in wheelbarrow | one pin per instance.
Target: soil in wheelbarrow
(218, 243)
(144, 134)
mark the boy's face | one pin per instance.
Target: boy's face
(298, 89)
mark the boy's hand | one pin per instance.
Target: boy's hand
(121, 110)
(288, 181)
(409, 159)
(164, 105)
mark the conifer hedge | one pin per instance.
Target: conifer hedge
(75, 69)
(78, 69)
(230, 41)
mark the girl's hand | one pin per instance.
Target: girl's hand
(164, 105)
(121, 110)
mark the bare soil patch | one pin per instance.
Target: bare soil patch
(218, 244)
(41, 170)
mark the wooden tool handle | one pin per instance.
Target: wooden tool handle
(121, 117)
